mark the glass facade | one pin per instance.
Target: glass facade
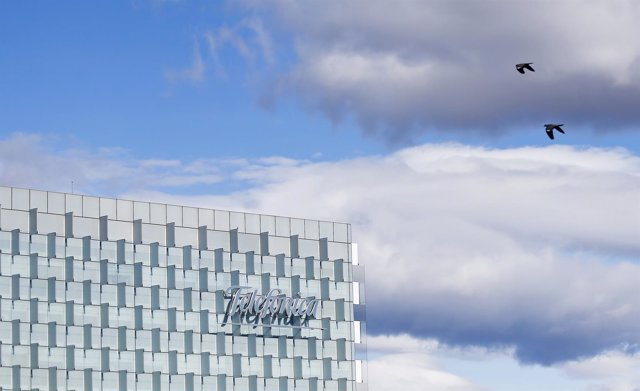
(106, 294)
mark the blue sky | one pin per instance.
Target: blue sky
(407, 120)
(97, 75)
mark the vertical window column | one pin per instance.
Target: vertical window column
(338, 270)
(103, 228)
(104, 315)
(186, 258)
(233, 241)
(137, 318)
(104, 359)
(205, 363)
(122, 338)
(170, 234)
(34, 356)
(249, 263)
(202, 237)
(15, 287)
(53, 378)
(188, 341)
(309, 266)
(187, 298)
(293, 246)
(237, 365)
(155, 297)
(137, 274)
(121, 295)
(68, 225)
(279, 265)
(86, 292)
(203, 279)
(51, 334)
(326, 368)
(219, 260)
(33, 311)
(139, 361)
(86, 336)
(155, 340)
(86, 248)
(70, 357)
(268, 366)
(264, 243)
(68, 269)
(51, 245)
(15, 332)
(220, 343)
(88, 379)
(324, 249)
(33, 266)
(69, 318)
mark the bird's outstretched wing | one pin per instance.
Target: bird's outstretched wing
(550, 133)
(529, 67)
(559, 129)
(520, 70)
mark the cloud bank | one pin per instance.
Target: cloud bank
(534, 250)
(405, 68)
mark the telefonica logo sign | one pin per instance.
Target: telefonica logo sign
(247, 302)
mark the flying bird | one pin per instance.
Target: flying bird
(525, 65)
(550, 127)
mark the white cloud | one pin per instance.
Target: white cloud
(527, 250)
(413, 372)
(609, 371)
(608, 364)
(530, 248)
(495, 370)
(407, 344)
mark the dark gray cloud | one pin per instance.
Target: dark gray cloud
(403, 68)
(463, 321)
(530, 249)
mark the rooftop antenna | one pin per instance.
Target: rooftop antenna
(71, 187)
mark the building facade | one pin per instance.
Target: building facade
(106, 294)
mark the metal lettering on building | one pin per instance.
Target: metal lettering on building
(247, 302)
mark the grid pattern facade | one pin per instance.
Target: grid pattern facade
(105, 294)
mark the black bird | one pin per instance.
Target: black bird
(550, 127)
(523, 66)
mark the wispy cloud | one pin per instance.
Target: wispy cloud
(28, 160)
(249, 39)
(262, 38)
(193, 74)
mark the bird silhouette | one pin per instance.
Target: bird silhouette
(525, 65)
(550, 128)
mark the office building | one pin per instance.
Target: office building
(110, 294)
